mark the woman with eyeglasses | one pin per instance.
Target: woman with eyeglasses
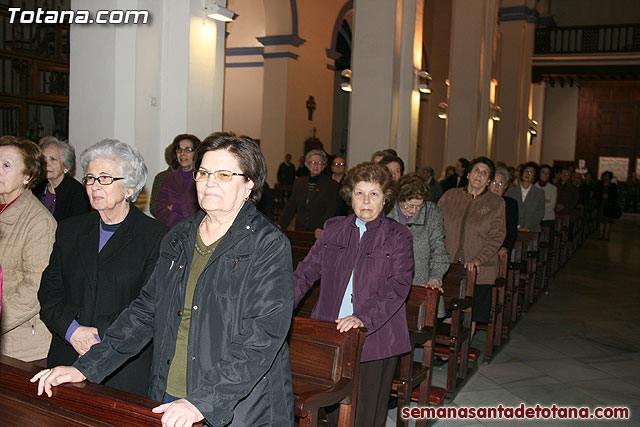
(474, 222)
(498, 186)
(426, 222)
(313, 199)
(100, 261)
(177, 194)
(530, 198)
(218, 305)
(365, 264)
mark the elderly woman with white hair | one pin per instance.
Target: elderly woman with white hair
(100, 261)
(62, 195)
(313, 199)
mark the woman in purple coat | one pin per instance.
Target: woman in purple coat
(177, 195)
(365, 261)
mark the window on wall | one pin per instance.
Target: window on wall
(34, 73)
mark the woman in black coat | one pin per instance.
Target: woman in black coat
(498, 186)
(100, 261)
(60, 193)
(608, 209)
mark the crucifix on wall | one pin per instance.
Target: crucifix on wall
(311, 106)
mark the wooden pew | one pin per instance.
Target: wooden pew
(511, 289)
(324, 368)
(563, 223)
(453, 340)
(422, 311)
(494, 327)
(304, 239)
(542, 277)
(529, 241)
(80, 404)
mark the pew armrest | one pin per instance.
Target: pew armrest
(309, 402)
(461, 303)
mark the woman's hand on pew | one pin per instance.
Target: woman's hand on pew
(180, 413)
(434, 284)
(347, 323)
(52, 377)
(83, 338)
(502, 252)
(471, 265)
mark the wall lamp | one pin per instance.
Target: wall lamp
(532, 127)
(443, 108)
(346, 80)
(495, 112)
(424, 81)
(219, 13)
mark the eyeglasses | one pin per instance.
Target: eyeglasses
(338, 163)
(529, 172)
(316, 163)
(184, 150)
(102, 179)
(498, 183)
(483, 172)
(413, 208)
(220, 176)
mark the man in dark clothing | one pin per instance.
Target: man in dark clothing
(286, 171)
(459, 179)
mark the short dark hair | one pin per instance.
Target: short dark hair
(464, 162)
(412, 186)
(485, 161)
(552, 174)
(371, 172)
(389, 159)
(176, 144)
(245, 150)
(609, 173)
(34, 163)
(535, 167)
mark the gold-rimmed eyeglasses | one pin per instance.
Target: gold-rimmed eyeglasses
(221, 176)
(184, 150)
(412, 208)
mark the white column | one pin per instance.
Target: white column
(146, 83)
(470, 69)
(384, 103)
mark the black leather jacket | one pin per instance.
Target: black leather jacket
(238, 360)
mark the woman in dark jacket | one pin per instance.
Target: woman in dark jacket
(100, 261)
(177, 194)
(218, 305)
(498, 186)
(60, 193)
(365, 261)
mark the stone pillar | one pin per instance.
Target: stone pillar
(387, 53)
(517, 27)
(146, 83)
(473, 26)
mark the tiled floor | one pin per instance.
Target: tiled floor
(578, 346)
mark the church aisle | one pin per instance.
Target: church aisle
(578, 346)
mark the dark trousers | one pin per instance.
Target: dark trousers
(374, 388)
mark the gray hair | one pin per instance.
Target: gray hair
(430, 170)
(505, 174)
(66, 149)
(127, 158)
(321, 153)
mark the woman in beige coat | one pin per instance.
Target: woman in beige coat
(474, 222)
(27, 232)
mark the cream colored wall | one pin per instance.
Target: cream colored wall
(243, 89)
(437, 28)
(560, 124)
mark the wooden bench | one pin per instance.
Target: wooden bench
(324, 368)
(454, 340)
(79, 404)
(511, 289)
(304, 239)
(496, 314)
(422, 312)
(529, 241)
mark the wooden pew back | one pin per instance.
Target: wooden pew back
(324, 367)
(304, 239)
